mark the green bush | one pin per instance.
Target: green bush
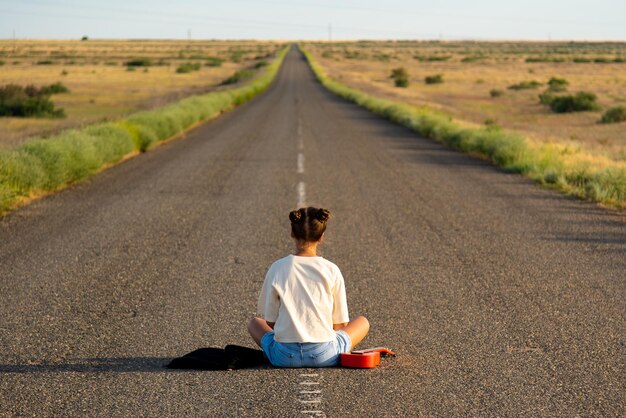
(473, 58)
(524, 85)
(614, 115)
(214, 62)
(579, 102)
(2, 63)
(45, 62)
(434, 79)
(511, 151)
(381, 57)
(188, 67)
(49, 164)
(545, 59)
(400, 77)
(29, 101)
(546, 97)
(496, 93)
(237, 55)
(139, 62)
(260, 64)
(240, 75)
(55, 88)
(432, 58)
(557, 84)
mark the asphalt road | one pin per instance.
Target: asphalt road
(501, 298)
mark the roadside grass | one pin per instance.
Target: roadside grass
(466, 96)
(101, 88)
(43, 165)
(554, 165)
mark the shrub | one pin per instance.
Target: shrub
(42, 165)
(434, 79)
(2, 63)
(400, 77)
(64, 72)
(546, 97)
(27, 101)
(491, 123)
(240, 75)
(604, 181)
(473, 58)
(188, 67)
(139, 62)
(557, 84)
(84, 38)
(55, 88)
(614, 115)
(354, 55)
(45, 62)
(496, 93)
(544, 59)
(214, 62)
(381, 57)
(581, 60)
(327, 54)
(432, 58)
(579, 102)
(260, 64)
(237, 55)
(524, 85)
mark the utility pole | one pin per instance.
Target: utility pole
(330, 32)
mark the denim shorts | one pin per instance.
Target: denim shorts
(305, 354)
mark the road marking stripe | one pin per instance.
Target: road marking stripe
(309, 383)
(310, 392)
(309, 374)
(301, 194)
(300, 163)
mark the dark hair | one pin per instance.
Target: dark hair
(308, 224)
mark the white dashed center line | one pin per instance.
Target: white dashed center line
(310, 397)
(300, 163)
(301, 194)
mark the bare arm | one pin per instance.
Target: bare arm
(339, 326)
(271, 324)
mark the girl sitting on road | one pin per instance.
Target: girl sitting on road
(303, 303)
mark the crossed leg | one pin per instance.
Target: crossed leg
(357, 329)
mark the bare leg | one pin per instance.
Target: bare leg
(258, 327)
(357, 329)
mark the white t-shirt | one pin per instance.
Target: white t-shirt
(304, 296)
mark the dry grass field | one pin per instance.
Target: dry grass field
(103, 87)
(471, 70)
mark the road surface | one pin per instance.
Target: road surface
(501, 298)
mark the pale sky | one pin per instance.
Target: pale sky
(307, 19)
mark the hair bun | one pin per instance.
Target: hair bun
(295, 216)
(322, 215)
